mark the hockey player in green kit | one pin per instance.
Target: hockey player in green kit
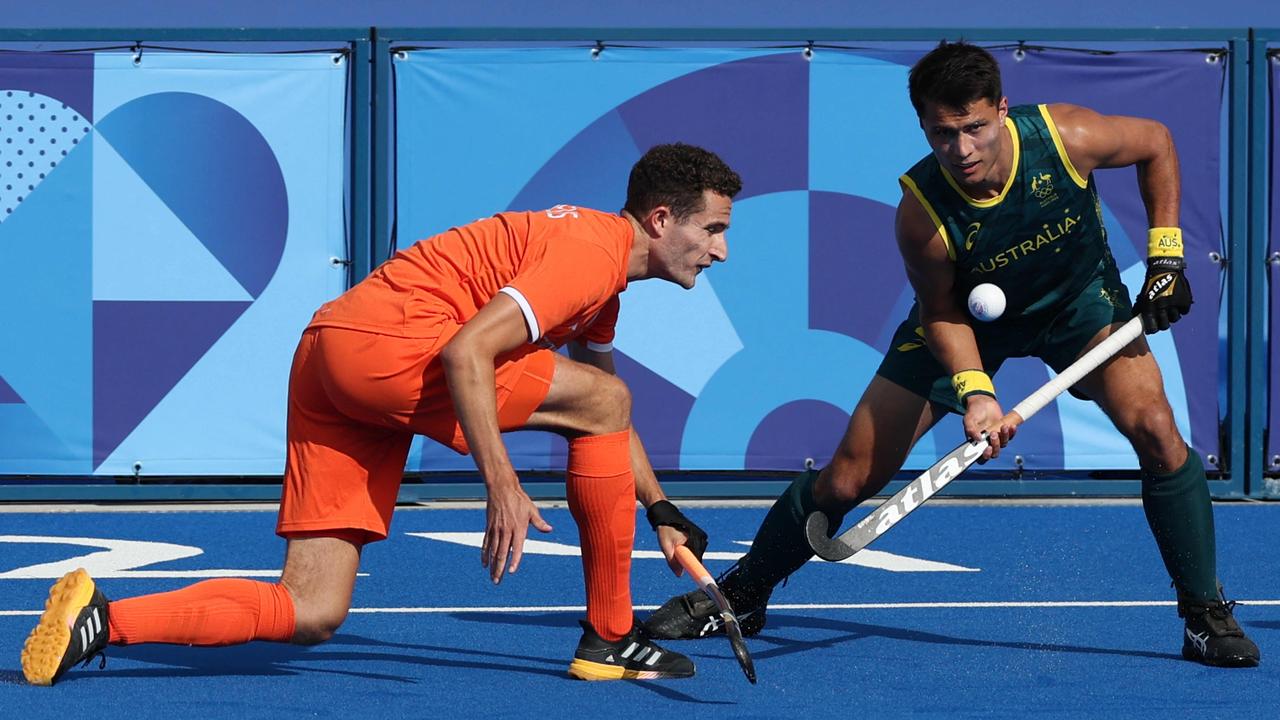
(1007, 197)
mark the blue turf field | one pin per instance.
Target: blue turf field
(962, 611)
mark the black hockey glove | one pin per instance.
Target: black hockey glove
(1165, 295)
(664, 513)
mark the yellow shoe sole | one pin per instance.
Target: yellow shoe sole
(587, 670)
(48, 642)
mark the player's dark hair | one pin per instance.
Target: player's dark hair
(675, 175)
(953, 75)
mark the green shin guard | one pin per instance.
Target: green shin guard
(1180, 514)
(780, 547)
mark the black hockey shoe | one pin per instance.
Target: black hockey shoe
(694, 615)
(73, 629)
(634, 657)
(1212, 636)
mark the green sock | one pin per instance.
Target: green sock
(1180, 514)
(780, 547)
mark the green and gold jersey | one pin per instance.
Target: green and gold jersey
(1040, 240)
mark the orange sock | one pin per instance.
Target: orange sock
(213, 612)
(602, 498)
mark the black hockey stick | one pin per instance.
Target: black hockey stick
(699, 575)
(870, 528)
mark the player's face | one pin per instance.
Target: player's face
(687, 247)
(967, 141)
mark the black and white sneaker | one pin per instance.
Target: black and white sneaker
(694, 615)
(634, 657)
(73, 629)
(1212, 636)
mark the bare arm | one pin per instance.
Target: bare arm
(468, 361)
(1100, 141)
(946, 327)
(1094, 141)
(648, 491)
(932, 275)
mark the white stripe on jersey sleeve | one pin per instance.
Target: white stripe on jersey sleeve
(529, 318)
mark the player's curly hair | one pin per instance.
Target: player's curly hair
(675, 175)
(953, 75)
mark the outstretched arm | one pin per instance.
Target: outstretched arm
(1094, 141)
(672, 527)
(468, 361)
(946, 328)
(1109, 141)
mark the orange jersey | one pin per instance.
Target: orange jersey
(564, 266)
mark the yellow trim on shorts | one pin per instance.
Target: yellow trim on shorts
(1062, 150)
(910, 184)
(1013, 172)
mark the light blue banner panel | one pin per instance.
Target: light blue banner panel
(759, 366)
(170, 223)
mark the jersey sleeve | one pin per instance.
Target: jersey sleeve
(599, 335)
(569, 278)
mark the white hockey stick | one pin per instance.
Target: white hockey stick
(871, 527)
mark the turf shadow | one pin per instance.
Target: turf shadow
(258, 659)
(347, 639)
(851, 631)
(564, 620)
(856, 631)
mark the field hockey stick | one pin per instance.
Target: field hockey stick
(700, 576)
(910, 497)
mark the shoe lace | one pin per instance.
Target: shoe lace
(720, 578)
(1222, 610)
(1218, 618)
(100, 656)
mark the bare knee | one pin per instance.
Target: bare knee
(611, 406)
(1155, 437)
(845, 483)
(317, 630)
(583, 400)
(315, 619)
(319, 574)
(882, 429)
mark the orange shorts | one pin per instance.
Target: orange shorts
(356, 399)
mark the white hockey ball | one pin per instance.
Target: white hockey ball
(986, 302)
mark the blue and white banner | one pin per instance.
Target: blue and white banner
(168, 225)
(760, 365)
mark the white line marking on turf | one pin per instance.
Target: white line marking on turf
(118, 558)
(876, 559)
(832, 606)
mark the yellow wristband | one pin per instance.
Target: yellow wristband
(1164, 242)
(972, 382)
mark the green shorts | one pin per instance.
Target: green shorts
(1057, 337)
